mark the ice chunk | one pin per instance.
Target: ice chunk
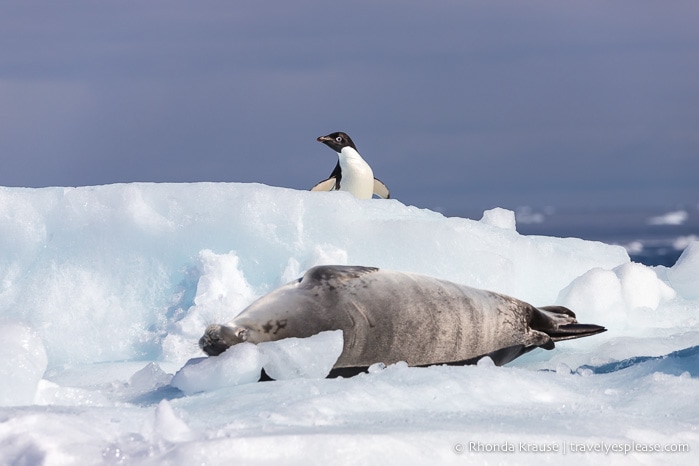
(290, 358)
(597, 297)
(614, 298)
(149, 378)
(22, 364)
(499, 217)
(641, 287)
(239, 364)
(376, 368)
(684, 275)
(166, 425)
(311, 357)
(485, 361)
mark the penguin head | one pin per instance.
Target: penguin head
(337, 141)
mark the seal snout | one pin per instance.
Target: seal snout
(211, 342)
(218, 338)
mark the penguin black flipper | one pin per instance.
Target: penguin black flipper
(381, 189)
(325, 185)
(333, 181)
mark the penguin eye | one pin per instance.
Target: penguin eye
(338, 139)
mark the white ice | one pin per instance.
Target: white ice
(105, 291)
(291, 358)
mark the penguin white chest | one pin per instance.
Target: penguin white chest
(357, 175)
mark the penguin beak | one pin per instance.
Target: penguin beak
(323, 139)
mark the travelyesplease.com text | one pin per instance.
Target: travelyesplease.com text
(569, 447)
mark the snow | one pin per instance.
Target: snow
(22, 360)
(105, 291)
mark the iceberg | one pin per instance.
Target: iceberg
(105, 291)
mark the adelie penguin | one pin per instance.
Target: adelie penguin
(351, 173)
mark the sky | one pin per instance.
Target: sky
(456, 105)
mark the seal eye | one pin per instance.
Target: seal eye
(338, 139)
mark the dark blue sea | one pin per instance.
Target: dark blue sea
(652, 236)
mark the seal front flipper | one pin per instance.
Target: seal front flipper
(381, 189)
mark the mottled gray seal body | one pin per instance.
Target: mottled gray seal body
(389, 316)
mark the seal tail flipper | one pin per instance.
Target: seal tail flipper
(571, 331)
(380, 189)
(560, 324)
